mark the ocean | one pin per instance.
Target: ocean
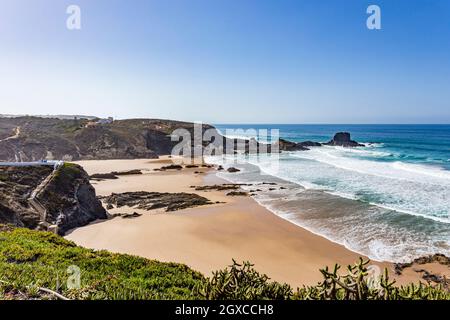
(389, 200)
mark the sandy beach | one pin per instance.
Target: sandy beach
(207, 238)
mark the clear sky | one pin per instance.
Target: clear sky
(228, 61)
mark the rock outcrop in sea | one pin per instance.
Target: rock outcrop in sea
(285, 145)
(343, 139)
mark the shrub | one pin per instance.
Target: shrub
(241, 282)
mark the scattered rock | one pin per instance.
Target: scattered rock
(109, 206)
(156, 200)
(218, 187)
(439, 258)
(124, 173)
(131, 215)
(169, 167)
(233, 169)
(103, 176)
(237, 193)
(219, 168)
(191, 166)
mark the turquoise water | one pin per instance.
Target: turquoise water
(391, 198)
(423, 144)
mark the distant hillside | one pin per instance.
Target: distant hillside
(70, 139)
(36, 138)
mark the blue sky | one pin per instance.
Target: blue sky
(228, 61)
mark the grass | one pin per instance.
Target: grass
(31, 259)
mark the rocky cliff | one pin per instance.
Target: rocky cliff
(66, 195)
(35, 138)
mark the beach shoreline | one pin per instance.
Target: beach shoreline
(208, 238)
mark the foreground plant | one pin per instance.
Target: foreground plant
(241, 281)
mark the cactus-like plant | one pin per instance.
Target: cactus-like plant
(243, 282)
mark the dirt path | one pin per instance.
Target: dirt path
(15, 136)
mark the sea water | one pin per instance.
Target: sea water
(389, 200)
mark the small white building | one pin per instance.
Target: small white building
(106, 121)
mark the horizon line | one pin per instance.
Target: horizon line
(5, 115)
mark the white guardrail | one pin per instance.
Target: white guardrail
(54, 163)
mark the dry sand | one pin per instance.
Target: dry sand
(208, 238)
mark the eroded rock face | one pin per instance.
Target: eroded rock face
(16, 186)
(155, 200)
(343, 139)
(69, 198)
(35, 138)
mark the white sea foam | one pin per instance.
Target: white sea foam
(409, 188)
(338, 157)
(377, 231)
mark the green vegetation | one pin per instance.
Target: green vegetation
(31, 261)
(67, 172)
(241, 282)
(244, 282)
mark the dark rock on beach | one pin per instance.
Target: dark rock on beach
(218, 187)
(233, 169)
(170, 167)
(439, 258)
(131, 215)
(103, 176)
(126, 173)
(237, 193)
(156, 200)
(113, 175)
